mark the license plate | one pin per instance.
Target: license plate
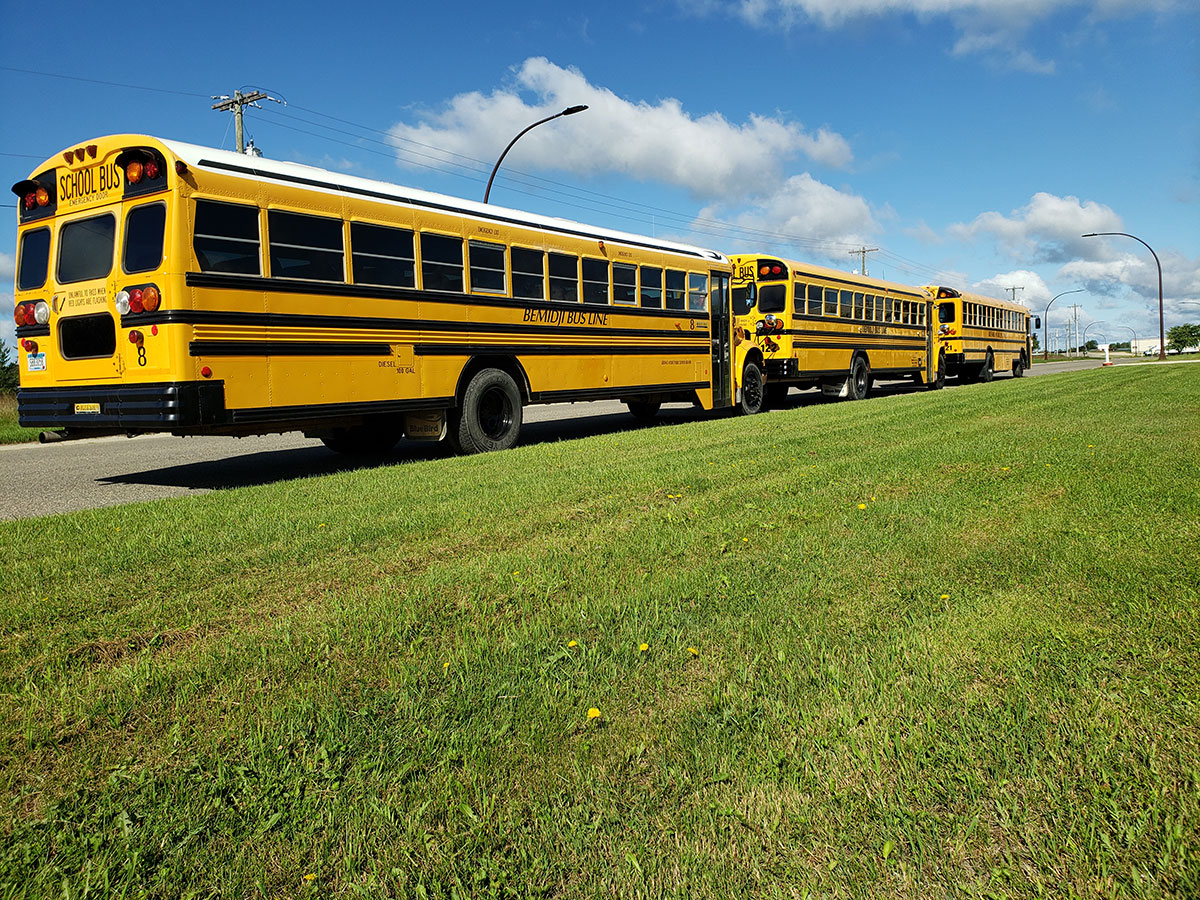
(36, 362)
(87, 409)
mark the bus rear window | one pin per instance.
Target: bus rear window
(144, 237)
(35, 259)
(85, 249)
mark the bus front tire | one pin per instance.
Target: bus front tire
(939, 380)
(490, 415)
(860, 379)
(754, 390)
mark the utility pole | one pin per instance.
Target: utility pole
(863, 251)
(237, 103)
(1014, 292)
(1075, 311)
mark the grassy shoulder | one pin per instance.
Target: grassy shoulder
(909, 647)
(10, 431)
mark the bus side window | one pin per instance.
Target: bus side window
(697, 292)
(652, 282)
(831, 297)
(624, 284)
(226, 238)
(303, 246)
(564, 277)
(382, 256)
(528, 268)
(441, 263)
(676, 290)
(487, 267)
(595, 280)
(847, 305)
(798, 297)
(814, 299)
(858, 305)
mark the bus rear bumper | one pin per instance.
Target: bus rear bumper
(137, 408)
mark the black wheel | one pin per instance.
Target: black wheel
(939, 380)
(988, 371)
(490, 415)
(362, 440)
(1019, 368)
(754, 389)
(860, 379)
(643, 410)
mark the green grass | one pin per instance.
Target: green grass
(982, 684)
(10, 431)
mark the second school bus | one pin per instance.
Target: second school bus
(800, 325)
(979, 336)
(163, 286)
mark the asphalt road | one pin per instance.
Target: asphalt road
(44, 479)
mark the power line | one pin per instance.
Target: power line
(132, 87)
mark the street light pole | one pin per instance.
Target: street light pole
(1046, 321)
(1085, 331)
(569, 111)
(1162, 331)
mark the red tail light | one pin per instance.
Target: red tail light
(135, 337)
(28, 315)
(152, 170)
(135, 300)
(30, 346)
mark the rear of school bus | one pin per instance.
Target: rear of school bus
(94, 271)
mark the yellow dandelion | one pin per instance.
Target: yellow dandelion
(745, 540)
(593, 713)
(1005, 468)
(862, 506)
(945, 597)
(643, 647)
(310, 876)
(872, 499)
(693, 651)
(572, 643)
(322, 525)
(445, 666)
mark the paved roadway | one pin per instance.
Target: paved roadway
(43, 479)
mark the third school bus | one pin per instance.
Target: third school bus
(800, 325)
(163, 286)
(978, 336)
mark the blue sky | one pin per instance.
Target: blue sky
(971, 141)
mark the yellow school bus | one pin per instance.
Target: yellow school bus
(167, 287)
(978, 336)
(800, 325)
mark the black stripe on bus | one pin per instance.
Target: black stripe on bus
(611, 393)
(558, 350)
(858, 344)
(287, 348)
(336, 410)
(457, 210)
(343, 290)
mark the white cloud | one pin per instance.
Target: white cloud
(1047, 229)
(991, 29)
(811, 214)
(1032, 292)
(706, 155)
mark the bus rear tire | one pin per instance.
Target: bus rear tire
(490, 416)
(643, 410)
(754, 390)
(988, 370)
(860, 379)
(1019, 368)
